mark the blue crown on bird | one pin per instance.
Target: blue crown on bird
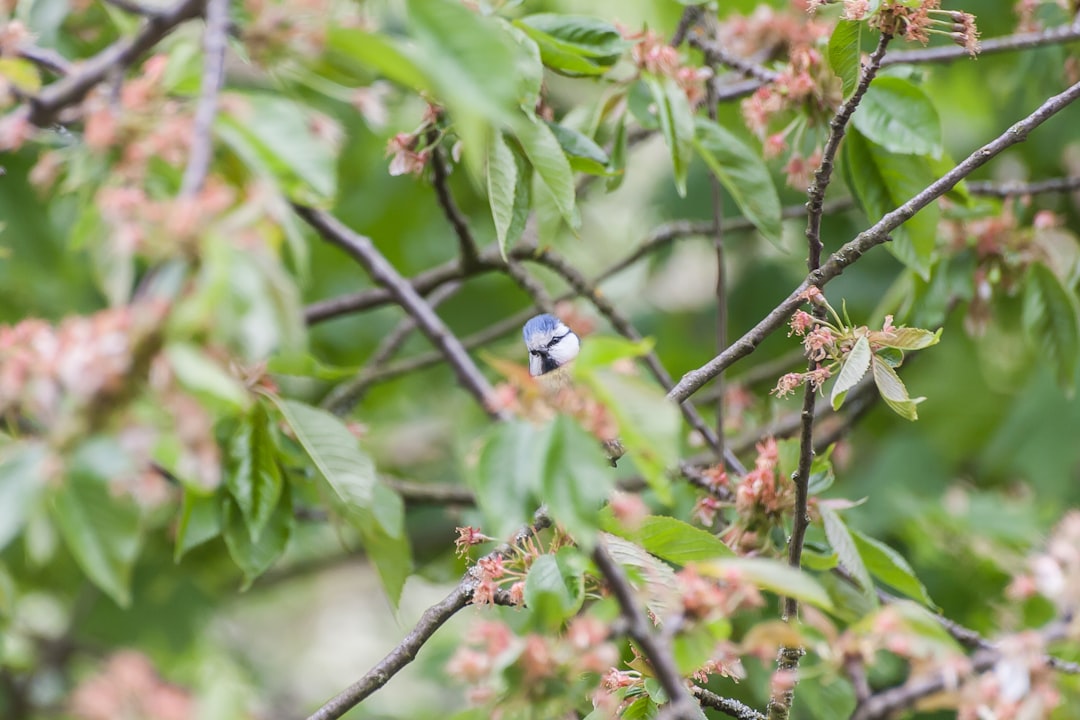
(550, 342)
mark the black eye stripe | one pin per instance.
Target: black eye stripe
(557, 338)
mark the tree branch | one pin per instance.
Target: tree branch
(383, 273)
(1015, 189)
(869, 238)
(405, 652)
(215, 38)
(1008, 43)
(346, 396)
(440, 179)
(46, 105)
(731, 708)
(640, 631)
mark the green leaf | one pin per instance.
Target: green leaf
(845, 53)
(22, 480)
(21, 75)
(200, 521)
(467, 57)
(851, 372)
(390, 553)
(502, 186)
(507, 476)
(254, 557)
(774, 576)
(572, 45)
(654, 578)
(529, 68)
(555, 588)
(281, 133)
(893, 391)
(617, 166)
(585, 155)
(1051, 317)
(900, 117)
(743, 173)
(378, 52)
(881, 181)
(670, 539)
(843, 544)
(602, 350)
(101, 531)
(549, 161)
(336, 454)
(650, 425)
(576, 479)
(906, 338)
(253, 476)
(204, 378)
(890, 567)
(676, 124)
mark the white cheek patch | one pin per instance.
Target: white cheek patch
(565, 350)
(536, 365)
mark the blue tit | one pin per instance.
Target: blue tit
(551, 346)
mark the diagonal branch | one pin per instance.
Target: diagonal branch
(657, 652)
(202, 138)
(869, 238)
(47, 104)
(432, 619)
(728, 706)
(382, 272)
(440, 179)
(1016, 189)
(1007, 43)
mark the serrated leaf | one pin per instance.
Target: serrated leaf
(654, 578)
(1051, 317)
(890, 567)
(101, 531)
(576, 36)
(900, 117)
(676, 124)
(852, 371)
(550, 164)
(585, 155)
(744, 174)
(502, 186)
(254, 557)
(882, 181)
(347, 469)
(671, 539)
(893, 391)
(253, 476)
(845, 53)
(772, 575)
(555, 588)
(839, 537)
(907, 338)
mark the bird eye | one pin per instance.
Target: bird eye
(555, 340)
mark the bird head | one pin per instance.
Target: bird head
(550, 343)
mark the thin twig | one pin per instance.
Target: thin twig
(382, 272)
(46, 59)
(532, 287)
(46, 105)
(728, 706)
(716, 54)
(869, 238)
(1007, 43)
(215, 43)
(405, 652)
(440, 179)
(687, 20)
(1019, 189)
(348, 394)
(638, 627)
